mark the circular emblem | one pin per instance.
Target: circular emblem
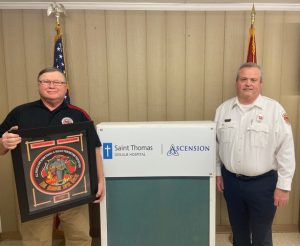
(67, 120)
(57, 170)
(259, 118)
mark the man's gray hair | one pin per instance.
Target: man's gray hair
(50, 70)
(249, 65)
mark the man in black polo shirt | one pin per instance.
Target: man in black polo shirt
(51, 110)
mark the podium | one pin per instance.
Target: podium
(160, 183)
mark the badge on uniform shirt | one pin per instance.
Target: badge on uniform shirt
(67, 120)
(259, 118)
(286, 118)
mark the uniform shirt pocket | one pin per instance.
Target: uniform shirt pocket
(258, 134)
(226, 131)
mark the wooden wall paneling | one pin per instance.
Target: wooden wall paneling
(176, 65)
(195, 50)
(291, 49)
(98, 88)
(214, 55)
(233, 50)
(296, 180)
(8, 206)
(97, 65)
(14, 52)
(289, 98)
(292, 17)
(3, 82)
(100, 55)
(156, 65)
(76, 58)
(49, 24)
(292, 35)
(13, 47)
(259, 35)
(272, 55)
(137, 66)
(35, 59)
(117, 65)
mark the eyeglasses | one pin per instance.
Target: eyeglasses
(49, 82)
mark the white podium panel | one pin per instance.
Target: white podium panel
(160, 183)
(158, 149)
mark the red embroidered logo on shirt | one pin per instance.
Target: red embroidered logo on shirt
(286, 118)
(259, 118)
(67, 120)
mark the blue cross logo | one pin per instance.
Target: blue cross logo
(107, 151)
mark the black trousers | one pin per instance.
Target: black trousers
(251, 210)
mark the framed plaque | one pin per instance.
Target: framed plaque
(55, 169)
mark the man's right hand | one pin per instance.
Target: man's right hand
(9, 140)
(220, 183)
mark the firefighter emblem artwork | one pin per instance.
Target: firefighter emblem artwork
(57, 171)
(55, 168)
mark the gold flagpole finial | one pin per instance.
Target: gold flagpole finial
(57, 9)
(253, 13)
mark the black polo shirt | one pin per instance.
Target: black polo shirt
(36, 114)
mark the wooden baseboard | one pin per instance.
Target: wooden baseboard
(285, 228)
(223, 229)
(275, 228)
(58, 234)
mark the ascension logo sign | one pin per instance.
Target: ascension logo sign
(172, 151)
(57, 170)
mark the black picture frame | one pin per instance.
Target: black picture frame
(55, 169)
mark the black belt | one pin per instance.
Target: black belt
(245, 177)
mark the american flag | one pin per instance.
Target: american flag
(59, 60)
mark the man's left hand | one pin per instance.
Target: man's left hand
(281, 197)
(100, 193)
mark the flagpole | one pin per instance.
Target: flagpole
(59, 61)
(253, 13)
(58, 9)
(251, 56)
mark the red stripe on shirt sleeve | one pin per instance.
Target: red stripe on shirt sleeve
(81, 110)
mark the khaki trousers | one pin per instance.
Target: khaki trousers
(75, 224)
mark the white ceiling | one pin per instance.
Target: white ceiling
(163, 1)
(169, 5)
